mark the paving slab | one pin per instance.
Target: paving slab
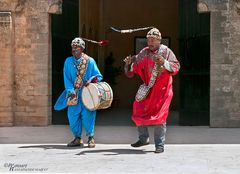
(120, 158)
(188, 150)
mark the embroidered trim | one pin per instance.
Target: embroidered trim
(81, 70)
(144, 89)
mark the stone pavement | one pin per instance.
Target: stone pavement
(188, 150)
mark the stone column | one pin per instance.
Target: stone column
(6, 70)
(225, 61)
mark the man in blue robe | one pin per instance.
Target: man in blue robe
(79, 70)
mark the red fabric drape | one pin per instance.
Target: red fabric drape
(154, 109)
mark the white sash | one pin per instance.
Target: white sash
(144, 89)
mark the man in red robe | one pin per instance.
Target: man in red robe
(155, 64)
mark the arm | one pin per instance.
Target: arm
(96, 76)
(168, 61)
(128, 67)
(71, 94)
(132, 63)
(68, 82)
(171, 63)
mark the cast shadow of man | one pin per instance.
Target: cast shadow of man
(113, 151)
(50, 146)
(109, 151)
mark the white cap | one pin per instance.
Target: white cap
(78, 42)
(154, 32)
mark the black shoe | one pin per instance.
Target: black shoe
(76, 142)
(159, 150)
(91, 143)
(139, 144)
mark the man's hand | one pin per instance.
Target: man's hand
(128, 60)
(159, 59)
(86, 83)
(94, 80)
(72, 95)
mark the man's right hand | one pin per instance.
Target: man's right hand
(128, 60)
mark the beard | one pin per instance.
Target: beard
(77, 54)
(153, 48)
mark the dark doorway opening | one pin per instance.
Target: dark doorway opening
(194, 46)
(64, 28)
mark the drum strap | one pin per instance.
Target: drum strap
(144, 89)
(81, 70)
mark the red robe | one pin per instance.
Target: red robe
(155, 107)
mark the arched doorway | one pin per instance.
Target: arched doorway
(187, 31)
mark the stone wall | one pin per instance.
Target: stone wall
(26, 61)
(225, 61)
(6, 70)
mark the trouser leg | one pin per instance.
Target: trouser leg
(88, 119)
(159, 135)
(75, 123)
(143, 134)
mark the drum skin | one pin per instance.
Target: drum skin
(97, 96)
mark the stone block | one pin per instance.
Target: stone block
(32, 121)
(6, 118)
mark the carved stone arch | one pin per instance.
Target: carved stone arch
(237, 6)
(55, 7)
(202, 7)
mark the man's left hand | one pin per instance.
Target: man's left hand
(86, 83)
(159, 60)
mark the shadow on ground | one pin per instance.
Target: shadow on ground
(90, 151)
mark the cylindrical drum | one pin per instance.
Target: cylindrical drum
(97, 96)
